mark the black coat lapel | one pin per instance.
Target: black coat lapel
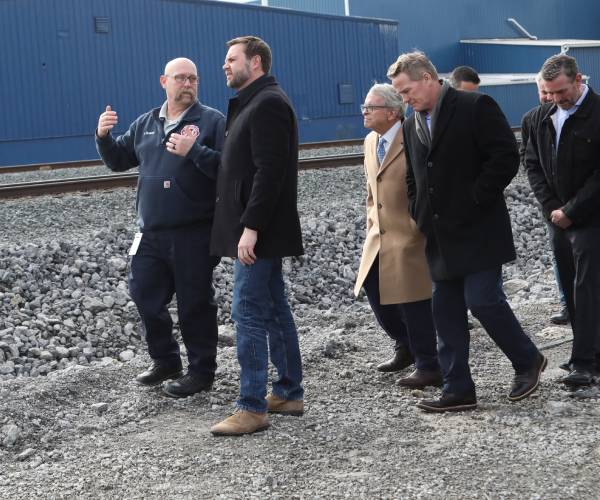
(443, 118)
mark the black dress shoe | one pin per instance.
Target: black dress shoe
(449, 402)
(186, 386)
(566, 366)
(421, 378)
(401, 360)
(158, 373)
(561, 318)
(578, 378)
(528, 381)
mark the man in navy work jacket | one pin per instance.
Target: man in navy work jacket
(563, 165)
(256, 220)
(460, 155)
(177, 148)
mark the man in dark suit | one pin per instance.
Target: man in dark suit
(563, 165)
(460, 155)
(256, 220)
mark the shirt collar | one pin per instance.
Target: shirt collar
(163, 113)
(390, 135)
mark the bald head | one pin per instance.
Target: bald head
(174, 65)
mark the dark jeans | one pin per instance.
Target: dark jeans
(481, 293)
(409, 324)
(577, 254)
(177, 261)
(264, 325)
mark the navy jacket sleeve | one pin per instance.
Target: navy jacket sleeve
(206, 159)
(499, 146)
(270, 142)
(118, 154)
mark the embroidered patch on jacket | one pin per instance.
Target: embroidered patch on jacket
(190, 130)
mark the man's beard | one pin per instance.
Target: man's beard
(238, 79)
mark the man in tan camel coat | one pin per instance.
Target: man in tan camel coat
(393, 269)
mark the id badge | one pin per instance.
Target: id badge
(136, 243)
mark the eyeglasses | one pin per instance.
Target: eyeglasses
(193, 79)
(367, 107)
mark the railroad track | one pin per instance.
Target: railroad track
(41, 167)
(110, 181)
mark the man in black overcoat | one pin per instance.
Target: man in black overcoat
(256, 221)
(461, 154)
(563, 165)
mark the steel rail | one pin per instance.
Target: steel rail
(110, 181)
(41, 167)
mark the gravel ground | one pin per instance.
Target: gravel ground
(86, 431)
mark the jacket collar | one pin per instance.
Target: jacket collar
(248, 92)
(192, 113)
(583, 111)
(443, 116)
(396, 147)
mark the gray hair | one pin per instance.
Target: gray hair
(391, 98)
(557, 65)
(414, 64)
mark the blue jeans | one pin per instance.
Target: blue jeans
(264, 324)
(482, 293)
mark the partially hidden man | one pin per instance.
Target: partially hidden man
(177, 148)
(256, 222)
(460, 155)
(393, 269)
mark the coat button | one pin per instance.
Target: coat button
(379, 205)
(382, 231)
(436, 216)
(430, 164)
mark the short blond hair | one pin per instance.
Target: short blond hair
(414, 64)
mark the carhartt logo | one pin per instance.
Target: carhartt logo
(149, 133)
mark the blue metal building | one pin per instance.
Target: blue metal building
(68, 59)
(65, 60)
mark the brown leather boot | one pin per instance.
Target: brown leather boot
(284, 406)
(241, 422)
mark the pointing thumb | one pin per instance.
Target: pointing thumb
(108, 108)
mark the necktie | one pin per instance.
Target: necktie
(381, 150)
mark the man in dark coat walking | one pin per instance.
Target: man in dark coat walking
(256, 220)
(460, 155)
(563, 165)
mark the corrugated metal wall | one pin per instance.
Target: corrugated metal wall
(62, 73)
(436, 26)
(488, 58)
(320, 6)
(515, 100)
(528, 58)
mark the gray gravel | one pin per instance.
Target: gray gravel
(85, 430)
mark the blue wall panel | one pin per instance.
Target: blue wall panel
(514, 100)
(488, 58)
(436, 26)
(59, 74)
(321, 6)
